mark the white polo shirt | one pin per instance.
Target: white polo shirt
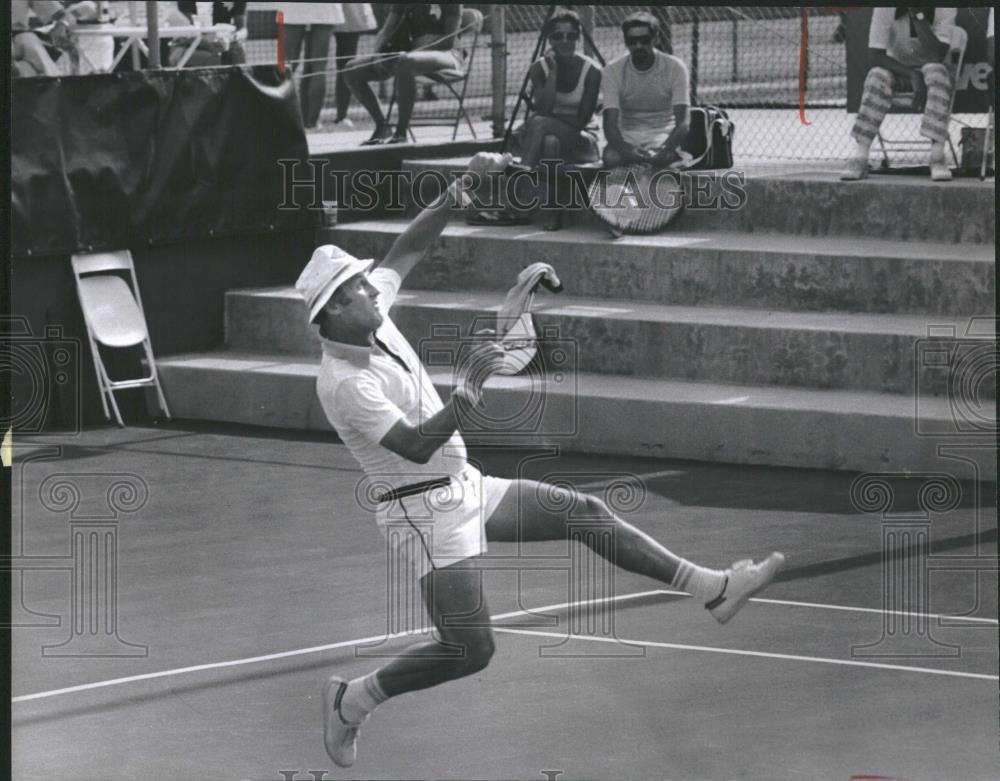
(364, 392)
(646, 99)
(893, 35)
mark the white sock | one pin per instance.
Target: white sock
(862, 150)
(363, 695)
(937, 151)
(701, 582)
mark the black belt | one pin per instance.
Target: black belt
(412, 489)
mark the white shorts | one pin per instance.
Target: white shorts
(443, 525)
(649, 139)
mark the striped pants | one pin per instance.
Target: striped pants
(877, 100)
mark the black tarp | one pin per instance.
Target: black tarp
(109, 161)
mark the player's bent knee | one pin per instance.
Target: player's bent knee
(479, 650)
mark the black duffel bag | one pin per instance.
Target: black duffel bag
(710, 138)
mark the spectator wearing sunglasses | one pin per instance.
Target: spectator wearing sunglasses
(646, 99)
(564, 92)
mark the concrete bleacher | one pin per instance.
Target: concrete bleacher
(805, 329)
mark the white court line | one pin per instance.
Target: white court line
(733, 400)
(852, 609)
(763, 654)
(302, 651)
(645, 476)
(874, 610)
(501, 616)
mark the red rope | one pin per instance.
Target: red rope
(280, 23)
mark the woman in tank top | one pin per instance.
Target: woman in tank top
(564, 91)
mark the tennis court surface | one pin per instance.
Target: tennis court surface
(244, 573)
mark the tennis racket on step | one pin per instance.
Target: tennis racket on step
(637, 199)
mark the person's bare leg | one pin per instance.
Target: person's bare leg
(533, 511)
(29, 48)
(538, 128)
(347, 47)
(317, 51)
(411, 65)
(359, 72)
(538, 511)
(455, 601)
(294, 38)
(453, 596)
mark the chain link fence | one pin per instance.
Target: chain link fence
(745, 59)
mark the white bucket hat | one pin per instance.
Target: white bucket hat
(327, 269)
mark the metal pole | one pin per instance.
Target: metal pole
(498, 66)
(587, 17)
(133, 12)
(592, 47)
(153, 33)
(695, 34)
(736, 52)
(539, 45)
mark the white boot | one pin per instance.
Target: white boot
(940, 172)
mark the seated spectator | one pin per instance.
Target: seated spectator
(416, 38)
(41, 36)
(359, 18)
(908, 45)
(133, 14)
(214, 51)
(645, 99)
(565, 87)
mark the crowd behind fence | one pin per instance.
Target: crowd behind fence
(744, 59)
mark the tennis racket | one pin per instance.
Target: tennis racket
(637, 198)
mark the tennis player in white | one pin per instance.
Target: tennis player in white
(381, 402)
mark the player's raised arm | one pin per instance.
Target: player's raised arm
(414, 242)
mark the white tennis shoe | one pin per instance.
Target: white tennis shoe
(743, 580)
(940, 172)
(339, 737)
(855, 168)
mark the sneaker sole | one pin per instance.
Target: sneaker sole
(330, 702)
(772, 565)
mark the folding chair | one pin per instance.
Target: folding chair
(472, 19)
(989, 145)
(114, 317)
(902, 102)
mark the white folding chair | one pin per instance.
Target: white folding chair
(901, 101)
(113, 315)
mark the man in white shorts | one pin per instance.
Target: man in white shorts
(646, 99)
(382, 403)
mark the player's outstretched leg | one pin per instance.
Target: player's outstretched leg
(457, 606)
(533, 511)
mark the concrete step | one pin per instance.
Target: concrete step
(845, 430)
(709, 344)
(908, 208)
(714, 268)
